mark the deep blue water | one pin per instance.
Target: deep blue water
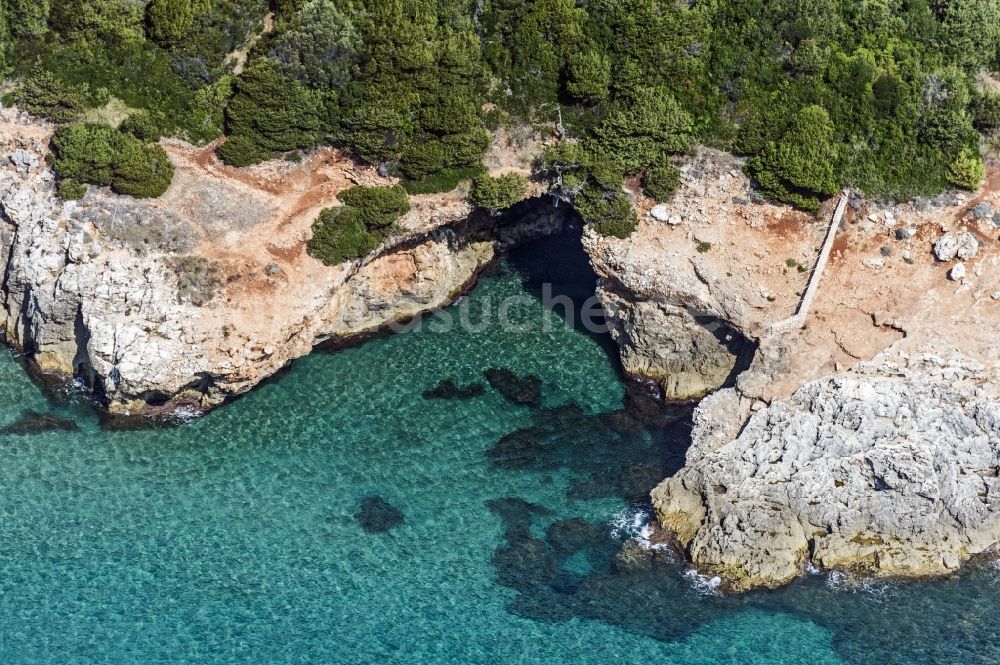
(236, 538)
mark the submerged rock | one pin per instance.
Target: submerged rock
(517, 450)
(448, 389)
(569, 535)
(516, 515)
(526, 390)
(636, 481)
(376, 515)
(33, 422)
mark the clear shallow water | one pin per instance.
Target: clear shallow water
(235, 538)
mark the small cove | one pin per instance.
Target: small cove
(337, 515)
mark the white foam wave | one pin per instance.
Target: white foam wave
(703, 585)
(631, 522)
(840, 581)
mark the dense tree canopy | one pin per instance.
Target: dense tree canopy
(882, 95)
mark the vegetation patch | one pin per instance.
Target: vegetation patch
(880, 96)
(102, 155)
(355, 229)
(661, 182)
(496, 194)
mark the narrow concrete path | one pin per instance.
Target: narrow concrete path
(799, 319)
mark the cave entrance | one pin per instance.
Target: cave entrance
(556, 270)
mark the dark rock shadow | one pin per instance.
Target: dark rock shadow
(376, 515)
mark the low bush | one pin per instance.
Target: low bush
(610, 213)
(268, 114)
(661, 182)
(355, 229)
(799, 168)
(241, 151)
(377, 207)
(496, 194)
(339, 235)
(443, 181)
(102, 155)
(42, 94)
(143, 171)
(143, 126)
(70, 190)
(967, 171)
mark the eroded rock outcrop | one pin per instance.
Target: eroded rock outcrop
(890, 469)
(178, 303)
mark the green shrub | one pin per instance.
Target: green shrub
(318, 45)
(86, 153)
(610, 213)
(143, 171)
(269, 114)
(967, 170)
(143, 126)
(44, 95)
(799, 168)
(986, 112)
(378, 207)
(588, 76)
(169, 21)
(704, 247)
(70, 190)
(356, 228)
(644, 128)
(102, 155)
(242, 151)
(496, 194)
(339, 235)
(423, 159)
(137, 73)
(205, 119)
(442, 181)
(661, 182)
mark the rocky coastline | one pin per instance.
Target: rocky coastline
(174, 306)
(865, 441)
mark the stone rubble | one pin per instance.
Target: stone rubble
(962, 245)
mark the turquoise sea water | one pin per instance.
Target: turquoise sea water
(235, 538)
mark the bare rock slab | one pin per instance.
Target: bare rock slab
(888, 470)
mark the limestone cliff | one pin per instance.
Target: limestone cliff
(181, 302)
(864, 440)
(890, 469)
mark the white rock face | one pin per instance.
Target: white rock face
(23, 160)
(957, 272)
(892, 469)
(161, 313)
(962, 245)
(660, 213)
